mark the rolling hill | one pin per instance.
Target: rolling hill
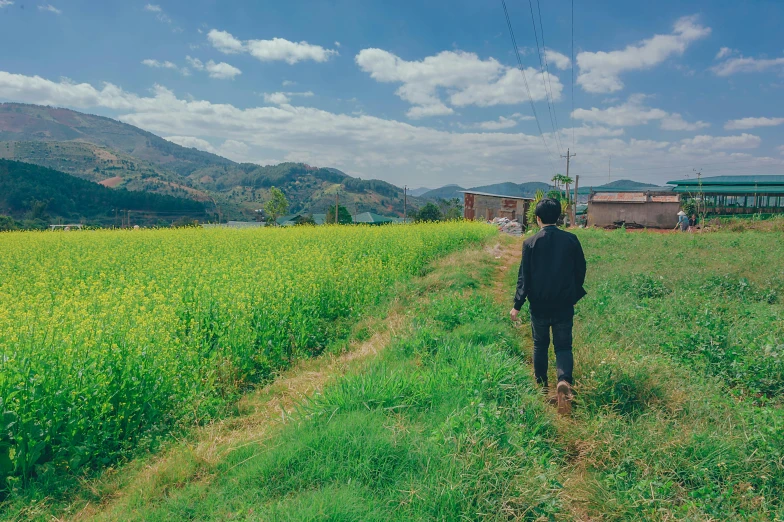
(38, 195)
(505, 189)
(119, 155)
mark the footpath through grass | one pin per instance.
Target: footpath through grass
(442, 424)
(679, 364)
(678, 350)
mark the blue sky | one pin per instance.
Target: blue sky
(421, 93)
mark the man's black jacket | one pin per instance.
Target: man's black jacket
(552, 272)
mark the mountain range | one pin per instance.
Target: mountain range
(118, 155)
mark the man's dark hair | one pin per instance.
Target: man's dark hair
(548, 210)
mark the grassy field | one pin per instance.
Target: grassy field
(431, 413)
(111, 339)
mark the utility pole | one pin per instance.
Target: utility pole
(337, 204)
(574, 207)
(405, 204)
(568, 157)
(609, 169)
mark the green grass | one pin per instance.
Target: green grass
(444, 424)
(679, 348)
(678, 413)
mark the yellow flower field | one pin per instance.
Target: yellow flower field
(110, 338)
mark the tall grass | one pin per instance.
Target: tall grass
(680, 378)
(109, 339)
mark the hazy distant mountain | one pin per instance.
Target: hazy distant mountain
(418, 191)
(621, 185)
(445, 192)
(119, 155)
(523, 190)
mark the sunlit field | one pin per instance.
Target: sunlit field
(111, 338)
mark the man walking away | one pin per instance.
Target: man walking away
(551, 277)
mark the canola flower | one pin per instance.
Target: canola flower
(108, 338)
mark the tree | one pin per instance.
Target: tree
(429, 212)
(277, 205)
(7, 223)
(344, 216)
(304, 219)
(451, 209)
(531, 214)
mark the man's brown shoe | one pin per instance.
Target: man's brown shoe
(563, 394)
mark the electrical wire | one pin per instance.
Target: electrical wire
(525, 80)
(547, 68)
(547, 94)
(571, 115)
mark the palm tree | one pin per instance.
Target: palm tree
(566, 180)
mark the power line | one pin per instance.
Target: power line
(547, 68)
(525, 80)
(571, 115)
(691, 165)
(547, 95)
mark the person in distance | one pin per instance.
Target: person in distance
(551, 278)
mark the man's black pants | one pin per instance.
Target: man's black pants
(561, 323)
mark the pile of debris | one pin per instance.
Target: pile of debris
(508, 226)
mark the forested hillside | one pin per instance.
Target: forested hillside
(123, 156)
(36, 195)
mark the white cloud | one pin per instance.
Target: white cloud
(50, 8)
(277, 49)
(561, 61)
(288, 83)
(467, 80)
(191, 143)
(224, 42)
(337, 44)
(780, 148)
(600, 71)
(750, 123)
(220, 71)
(278, 98)
(500, 123)
(747, 65)
(159, 65)
(710, 143)
(5, 3)
(591, 131)
(365, 145)
(724, 52)
(160, 15)
(634, 112)
(195, 63)
(675, 122)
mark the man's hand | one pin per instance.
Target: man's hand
(513, 314)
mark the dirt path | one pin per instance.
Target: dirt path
(574, 476)
(261, 413)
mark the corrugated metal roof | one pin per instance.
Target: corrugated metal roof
(619, 197)
(732, 180)
(666, 199)
(494, 195)
(733, 189)
(369, 217)
(634, 197)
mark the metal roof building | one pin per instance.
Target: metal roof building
(370, 218)
(642, 209)
(735, 194)
(484, 206)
